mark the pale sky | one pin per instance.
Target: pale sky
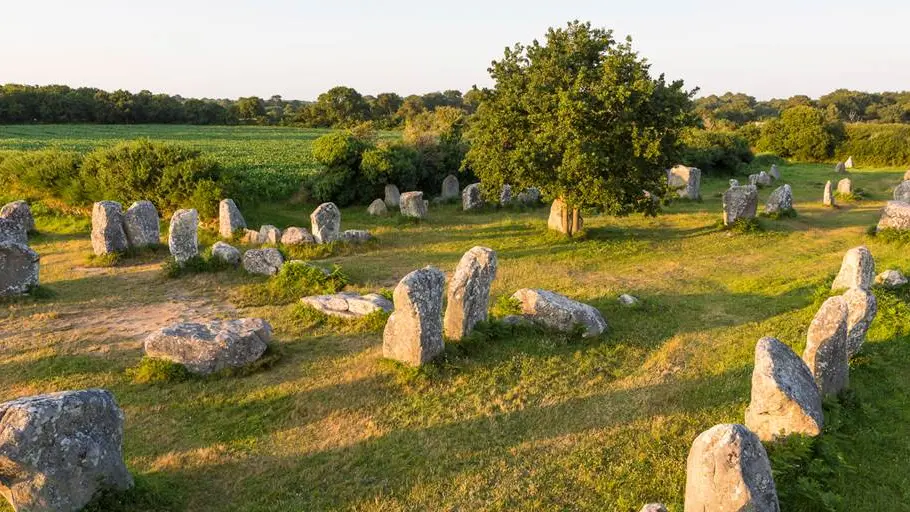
(298, 49)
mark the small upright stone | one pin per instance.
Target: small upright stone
(828, 198)
(378, 208)
(325, 223)
(413, 333)
(392, 196)
(505, 195)
(269, 234)
(840, 168)
(891, 279)
(183, 237)
(785, 399)
(413, 205)
(141, 225)
(849, 163)
(471, 198)
(529, 196)
(230, 220)
(826, 347)
(469, 292)
(561, 218)
(226, 253)
(740, 203)
(861, 310)
(774, 172)
(450, 189)
(296, 236)
(20, 212)
(902, 192)
(559, 312)
(107, 228)
(781, 200)
(19, 266)
(12, 231)
(728, 471)
(265, 262)
(857, 270)
(895, 215)
(845, 187)
(686, 180)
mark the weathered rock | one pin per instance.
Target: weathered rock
(753, 180)
(471, 199)
(902, 192)
(325, 223)
(296, 236)
(781, 200)
(505, 195)
(60, 449)
(230, 220)
(891, 279)
(226, 253)
(107, 228)
(413, 205)
(654, 507)
(840, 168)
(857, 270)
(19, 212)
(269, 234)
(208, 348)
(140, 223)
(826, 347)
(356, 236)
(266, 262)
(450, 189)
(349, 305)
(728, 471)
(19, 266)
(764, 179)
(734, 183)
(774, 172)
(907, 176)
(559, 312)
(413, 334)
(849, 163)
(392, 196)
(378, 208)
(183, 237)
(895, 215)
(469, 292)
(12, 231)
(740, 203)
(828, 197)
(529, 196)
(686, 180)
(861, 310)
(628, 300)
(785, 399)
(561, 218)
(250, 237)
(845, 187)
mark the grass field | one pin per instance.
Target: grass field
(507, 420)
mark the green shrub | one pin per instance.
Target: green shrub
(390, 163)
(296, 279)
(151, 370)
(876, 144)
(46, 173)
(204, 263)
(504, 306)
(339, 155)
(715, 152)
(801, 133)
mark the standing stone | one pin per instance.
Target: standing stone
(826, 347)
(849, 163)
(269, 234)
(450, 189)
(774, 172)
(469, 292)
(845, 187)
(265, 262)
(781, 200)
(183, 237)
(226, 253)
(895, 215)
(208, 348)
(12, 231)
(505, 195)
(785, 399)
(471, 198)
(18, 269)
(20, 212)
(728, 471)
(861, 310)
(296, 236)
(140, 223)
(230, 220)
(529, 196)
(828, 199)
(107, 228)
(413, 333)
(325, 222)
(392, 196)
(902, 192)
(740, 203)
(413, 205)
(857, 270)
(686, 180)
(378, 208)
(559, 312)
(840, 168)
(561, 218)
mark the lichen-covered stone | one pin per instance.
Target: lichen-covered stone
(378, 208)
(107, 228)
(12, 231)
(559, 312)
(265, 262)
(450, 189)
(19, 212)
(208, 348)
(740, 203)
(325, 223)
(392, 196)
(845, 187)
(471, 198)
(686, 181)
(230, 220)
(902, 192)
(348, 304)
(895, 215)
(296, 236)
(857, 270)
(780, 200)
(861, 310)
(19, 267)
(826, 347)
(269, 234)
(413, 333)
(413, 205)
(226, 253)
(356, 236)
(141, 225)
(469, 292)
(183, 237)
(891, 279)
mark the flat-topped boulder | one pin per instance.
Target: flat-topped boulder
(902, 192)
(265, 262)
(356, 236)
(269, 234)
(895, 215)
(780, 200)
(19, 269)
(211, 347)
(325, 223)
(471, 198)
(560, 313)
(19, 212)
(378, 208)
(413, 205)
(862, 307)
(107, 228)
(60, 449)
(226, 253)
(141, 225)
(686, 181)
(826, 347)
(349, 304)
(450, 188)
(12, 231)
(469, 292)
(857, 270)
(297, 236)
(230, 220)
(392, 196)
(183, 237)
(891, 279)
(785, 399)
(740, 203)
(413, 333)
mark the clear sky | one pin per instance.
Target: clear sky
(231, 48)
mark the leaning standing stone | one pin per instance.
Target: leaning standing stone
(740, 203)
(861, 310)
(265, 262)
(107, 228)
(413, 205)
(60, 449)
(686, 180)
(902, 192)
(269, 234)
(20, 212)
(450, 188)
(378, 208)
(392, 196)
(785, 399)
(828, 198)
(559, 312)
(208, 348)
(471, 198)
(826, 347)
(469, 292)
(230, 220)
(895, 215)
(413, 333)
(183, 237)
(781, 200)
(19, 266)
(857, 270)
(728, 471)
(226, 253)
(141, 225)
(325, 223)
(845, 187)
(12, 231)
(505, 195)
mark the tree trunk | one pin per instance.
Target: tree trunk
(566, 221)
(574, 226)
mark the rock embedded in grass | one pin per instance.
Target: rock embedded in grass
(857, 270)
(828, 196)
(297, 236)
(183, 236)
(469, 292)
(269, 234)
(826, 347)
(265, 262)
(450, 188)
(413, 333)
(59, 450)
(20, 268)
(141, 225)
(902, 192)
(654, 507)
(895, 215)
(226, 253)
(785, 399)
(740, 203)
(891, 279)
(348, 304)
(862, 307)
(560, 313)
(230, 220)
(728, 470)
(207, 348)
(686, 181)
(780, 200)
(12, 231)
(378, 208)
(19, 212)
(628, 300)
(471, 198)
(413, 205)
(325, 223)
(392, 196)
(356, 236)
(108, 236)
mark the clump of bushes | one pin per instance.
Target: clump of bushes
(203, 263)
(801, 133)
(715, 152)
(876, 144)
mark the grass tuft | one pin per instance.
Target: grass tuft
(204, 263)
(152, 370)
(891, 236)
(131, 256)
(504, 306)
(302, 319)
(295, 280)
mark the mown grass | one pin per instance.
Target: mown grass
(511, 418)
